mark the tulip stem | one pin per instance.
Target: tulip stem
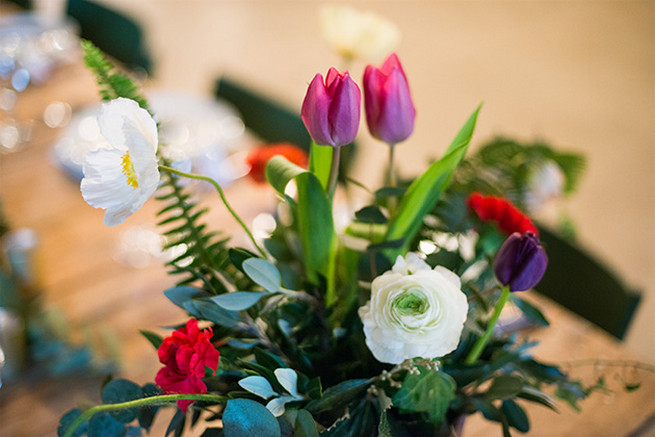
(479, 345)
(223, 198)
(334, 171)
(391, 180)
(152, 400)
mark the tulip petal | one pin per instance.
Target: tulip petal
(344, 112)
(396, 121)
(314, 112)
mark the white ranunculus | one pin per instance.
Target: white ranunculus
(414, 311)
(357, 34)
(122, 177)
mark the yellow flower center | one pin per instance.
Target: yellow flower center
(128, 170)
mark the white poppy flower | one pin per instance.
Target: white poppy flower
(356, 34)
(414, 311)
(121, 178)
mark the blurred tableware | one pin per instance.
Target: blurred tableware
(202, 130)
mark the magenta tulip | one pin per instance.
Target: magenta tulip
(390, 111)
(331, 109)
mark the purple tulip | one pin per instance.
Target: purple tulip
(390, 112)
(521, 262)
(331, 109)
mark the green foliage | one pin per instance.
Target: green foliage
(246, 418)
(113, 84)
(428, 391)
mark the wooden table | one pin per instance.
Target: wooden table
(80, 276)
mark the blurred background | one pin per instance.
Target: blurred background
(579, 75)
(575, 74)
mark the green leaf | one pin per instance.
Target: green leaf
(237, 300)
(183, 294)
(122, 390)
(247, 418)
(316, 227)
(385, 192)
(320, 161)
(305, 425)
(264, 273)
(103, 425)
(571, 392)
(155, 339)
(258, 385)
(504, 387)
(67, 420)
(147, 413)
(211, 311)
(384, 429)
(537, 396)
(338, 395)
(424, 192)
(429, 391)
(370, 214)
(530, 311)
(238, 255)
(279, 171)
(515, 415)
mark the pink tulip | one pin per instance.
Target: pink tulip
(331, 109)
(390, 112)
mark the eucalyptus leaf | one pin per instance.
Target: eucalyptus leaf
(237, 300)
(258, 385)
(288, 379)
(429, 391)
(247, 418)
(264, 273)
(210, 310)
(423, 194)
(182, 294)
(277, 405)
(238, 255)
(103, 425)
(122, 390)
(67, 420)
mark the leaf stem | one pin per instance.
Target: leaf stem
(334, 171)
(223, 199)
(152, 400)
(479, 345)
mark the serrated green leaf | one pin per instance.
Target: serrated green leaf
(424, 192)
(429, 391)
(263, 273)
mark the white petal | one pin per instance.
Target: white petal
(121, 114)
(258, 385)
(288, 379)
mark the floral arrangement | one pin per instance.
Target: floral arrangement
(387, 327)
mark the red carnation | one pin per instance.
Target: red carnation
(502, 212)
(185, 354)
(259, 157)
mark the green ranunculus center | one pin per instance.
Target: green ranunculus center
(410, 303)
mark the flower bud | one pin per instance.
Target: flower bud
(331, 109)
(390, 111)
(521, 262)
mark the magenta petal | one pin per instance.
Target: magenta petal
(390, 63)
(314, 111)
(344, 112)
(396, 121)
(373, 85)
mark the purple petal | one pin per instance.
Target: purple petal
(344, 112)
(396, 121)
(373, 86)
(314, 112)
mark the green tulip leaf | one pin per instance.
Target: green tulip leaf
(279, 172)
(424, 192)
(320, 161)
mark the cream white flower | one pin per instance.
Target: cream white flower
(356, 34)
(414, 311)
(122, 177)
(546, 184)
